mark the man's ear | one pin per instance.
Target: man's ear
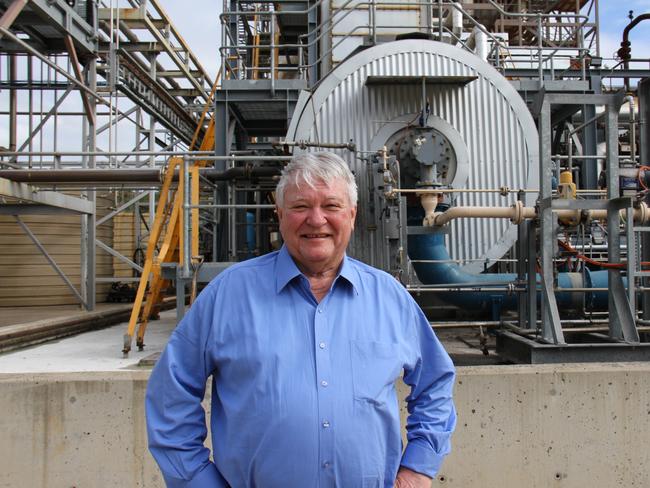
(278, 212)
(354, 216)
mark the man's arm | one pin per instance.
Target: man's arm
(432, 416)
(175, 418)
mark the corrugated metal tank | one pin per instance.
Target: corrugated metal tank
(487, 116)
(27, 279)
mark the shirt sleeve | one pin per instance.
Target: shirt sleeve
(432, 416)
(176, 423)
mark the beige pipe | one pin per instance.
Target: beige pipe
(517, 213)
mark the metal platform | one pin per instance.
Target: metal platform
(48, 22)
(263, 108)
(520, 349)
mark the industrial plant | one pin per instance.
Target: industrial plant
(502, 158)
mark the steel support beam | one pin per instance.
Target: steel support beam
(621, 316)
(12, 13)
(28, 193)
(589, 169)
(574, 73)
(88, 224)
(64, 19)
(143, 90)
(121, 208)
(74, 61)
(644, 158)
(520, 349)
(50, 260)
(12, 209)
(551, 327)
(44, 120)
(121, 257)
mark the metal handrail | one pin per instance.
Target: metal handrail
(327, 27)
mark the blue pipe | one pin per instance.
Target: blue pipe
(432, 247)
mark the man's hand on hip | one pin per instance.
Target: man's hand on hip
(407, 478)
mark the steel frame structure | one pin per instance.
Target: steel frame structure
(107, 53)
(129, 64)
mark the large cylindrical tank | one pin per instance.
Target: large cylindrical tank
(377, 94)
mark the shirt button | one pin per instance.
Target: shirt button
(320, 310)
(326, 424)
(326, 464)
(323, 384)
(321, 345)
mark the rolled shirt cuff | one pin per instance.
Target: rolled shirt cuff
(419, 457)
(208, 477)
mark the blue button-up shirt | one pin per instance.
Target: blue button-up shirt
(303, 392)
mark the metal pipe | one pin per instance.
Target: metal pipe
(459, 288)
(625, 51)
(517, 213)
(234, 205)
(630, 99)
(350, 146)
(424, 191)
(192, 155)
(432, 247)
(138, 175)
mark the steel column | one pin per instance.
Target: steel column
(13, 104)
(551, 326)
(91, 145)
(644, 158)
(621, 318)
(589, 169)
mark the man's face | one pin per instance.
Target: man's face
(316, 223)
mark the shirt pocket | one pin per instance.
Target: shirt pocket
(375, 367)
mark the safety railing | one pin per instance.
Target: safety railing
(240, 58)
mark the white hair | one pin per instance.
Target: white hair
(314, 168)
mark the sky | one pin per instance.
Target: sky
(614, 18)
(201, 28)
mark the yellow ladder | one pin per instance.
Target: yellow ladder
(169, 216)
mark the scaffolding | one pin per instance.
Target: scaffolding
(140, 92)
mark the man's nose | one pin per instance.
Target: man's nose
(316, 217)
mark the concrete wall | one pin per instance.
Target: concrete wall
(519, 427)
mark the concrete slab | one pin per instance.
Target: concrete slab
(22, 315)
(99, 350)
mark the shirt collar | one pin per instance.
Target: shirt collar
(286, 270)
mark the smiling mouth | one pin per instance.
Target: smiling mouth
(315, 236)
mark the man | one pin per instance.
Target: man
(304, 346)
